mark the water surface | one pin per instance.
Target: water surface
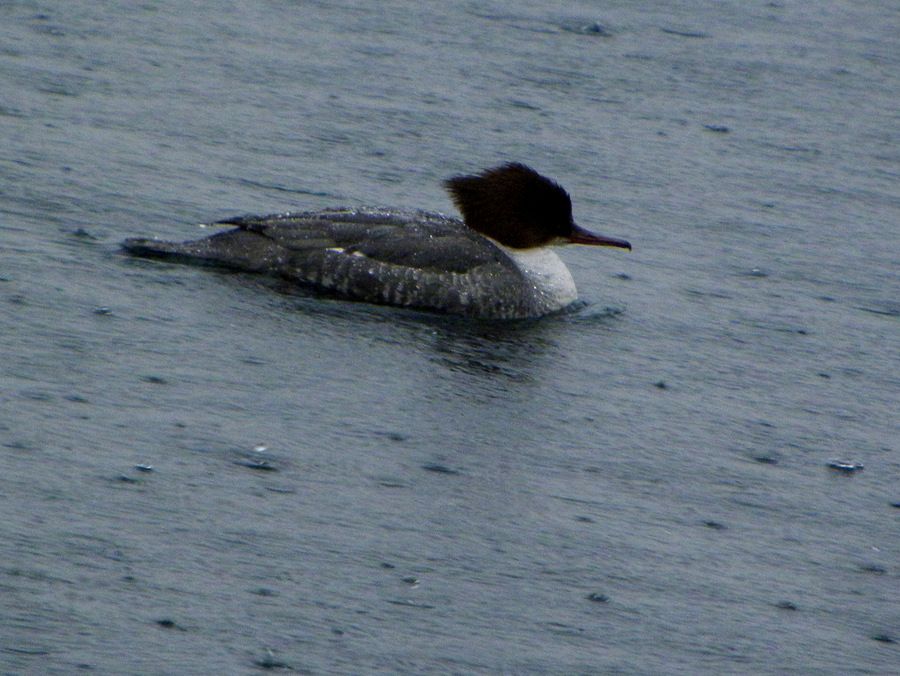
(209, 472)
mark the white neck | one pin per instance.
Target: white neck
(551, 278)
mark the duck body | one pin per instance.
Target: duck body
(414, 259)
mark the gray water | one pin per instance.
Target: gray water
(211, 473)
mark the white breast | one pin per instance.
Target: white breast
(553, 283)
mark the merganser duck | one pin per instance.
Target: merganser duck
(495, 263)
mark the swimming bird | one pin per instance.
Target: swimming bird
(496, 262)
